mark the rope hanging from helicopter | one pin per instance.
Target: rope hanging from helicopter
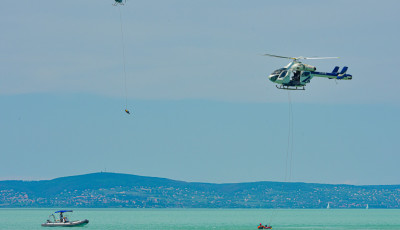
(278, 77)
(123, 61)
(289, 154)
(289, 149)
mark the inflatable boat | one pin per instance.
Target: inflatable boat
(63, 221)
(66, 224)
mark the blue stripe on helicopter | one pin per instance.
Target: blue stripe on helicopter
(307, 79)
(324, 73)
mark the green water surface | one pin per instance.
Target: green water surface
(219, 219)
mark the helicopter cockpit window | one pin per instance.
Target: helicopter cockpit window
(283, 74)
(278, 71)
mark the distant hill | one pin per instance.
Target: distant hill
(124, 190)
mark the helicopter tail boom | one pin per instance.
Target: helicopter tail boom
(334, 74)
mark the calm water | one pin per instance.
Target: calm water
(199, 219)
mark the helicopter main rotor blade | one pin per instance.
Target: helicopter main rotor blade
(271, 55)
(297, 58)
(316, 58)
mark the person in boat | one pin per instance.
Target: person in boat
(261, 226)
(127, 111)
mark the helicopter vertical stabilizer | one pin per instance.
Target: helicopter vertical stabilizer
(344, 70)
(336, 69)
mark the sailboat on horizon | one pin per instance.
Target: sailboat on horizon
(366, 207)
(328, 207)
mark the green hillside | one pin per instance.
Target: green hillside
(124, 190)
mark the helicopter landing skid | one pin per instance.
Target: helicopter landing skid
(289, 88)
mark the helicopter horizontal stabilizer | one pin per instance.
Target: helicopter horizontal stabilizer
(344, 70)
(335, 70)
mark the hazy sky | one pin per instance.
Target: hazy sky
(197, 85)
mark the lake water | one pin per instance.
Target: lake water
(201, 219)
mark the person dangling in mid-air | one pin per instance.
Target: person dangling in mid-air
(116, 3)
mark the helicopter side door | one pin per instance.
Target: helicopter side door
(305, 77)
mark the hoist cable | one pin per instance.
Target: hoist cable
(289, 153)
(123, 57)
(288, 138)
(292, 137)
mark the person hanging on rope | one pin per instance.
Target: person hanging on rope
(123, 55)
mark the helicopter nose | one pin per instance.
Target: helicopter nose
(273, 77)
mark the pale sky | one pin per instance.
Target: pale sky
(203, 108)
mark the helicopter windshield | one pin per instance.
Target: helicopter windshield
(283, 74)
(278, 71)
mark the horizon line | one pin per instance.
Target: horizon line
(247, 182)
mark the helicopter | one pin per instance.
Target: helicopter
(296, 74)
